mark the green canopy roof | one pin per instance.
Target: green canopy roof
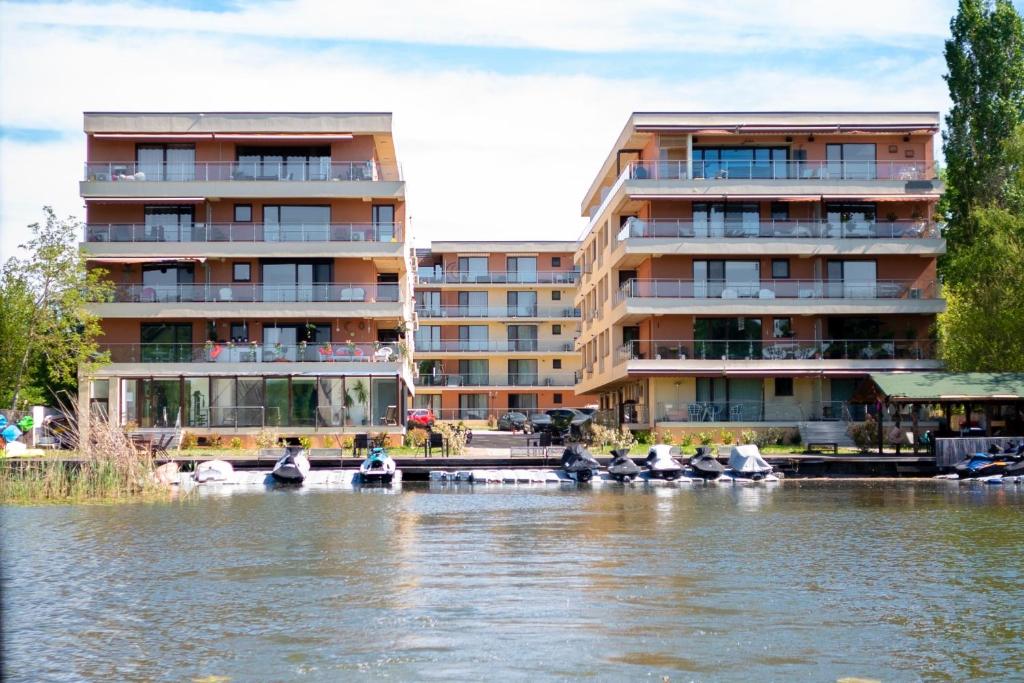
(934, 387)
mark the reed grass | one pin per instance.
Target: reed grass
(104, 467)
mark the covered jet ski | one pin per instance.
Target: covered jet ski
(213, 471)
(622, 468)
(661, 463)
(745, 462)
(292, 468)
(705, 465)
(378, 468)
(578, 463)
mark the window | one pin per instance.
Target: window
(428, 303)
(384, 222)
(243, 213)
(168, 223)
(556, 295)
(556, 364)
(782, 328)
(556, 329)
(851, 160)
(522, 373)
(241, 272)
(473, 373)
(164, 342)
(99, 398)
(780, 268)
(780, 211)
(556, 398)
(473, 268)
(726, 220)
(522, 268)
(296, 223)
(166, 162)
(167, 283)
(525, 403)
(240, 331)
(295, 342)
(522, 337)
(556, 261)
(713, 278)
(472, 337)
(473, 406)
(428, 338)
(473, 304)
(521, 304)
(296, 281)
(285, 163)
(783, 386)
(740, 162)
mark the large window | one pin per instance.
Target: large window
(384, 221)
(175, 162)
(296, 281)
(169, 223)
(294, 342)
(726, 220)
(731, 400)
(428, 338)
(284, 163)
(522, 268)
(296, 223)
(167, 283)
(429, 303)
(852, 279)
(473, 304)
(473, 373)
(726, 279)
(522, 337)
(384, 393)
(524, 403)
(472, 337)
(473, 268)
(472, 406)
(733, 338)
(522, 304)
(740, 162)
(522, 373)
(166, 342)
(851, 160)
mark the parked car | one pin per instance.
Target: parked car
(513, 422)
(420, 417)
(561, 425)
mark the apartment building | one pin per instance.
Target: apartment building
(260, 272)
(748, 269)
(496, 326)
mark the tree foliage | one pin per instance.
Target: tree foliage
(985, 58)
(46, 327)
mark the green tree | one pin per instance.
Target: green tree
(985, 58)
(46, 326)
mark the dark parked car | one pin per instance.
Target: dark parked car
(561, 425)
(513, 422)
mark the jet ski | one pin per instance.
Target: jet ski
(378, 468)
(579, 464)
(661, 464)
(213, 471)
(746, 464)
(622, 468)
(292, 468)
(706, 466)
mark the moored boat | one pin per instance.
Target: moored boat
(622, 468)
(378, 468)
(706, 466)
(578, 463)
(292, 468)
(661, 464)
(213, 471)
(746, 464)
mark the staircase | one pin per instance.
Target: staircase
(832, 431)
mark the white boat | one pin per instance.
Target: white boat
(292, 468)
(210, 471)
(661, 464)
(747, 465)
(378, 468)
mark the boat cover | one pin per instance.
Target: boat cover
(747, 459)
(660, 451)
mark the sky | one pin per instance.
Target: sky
(503, 111)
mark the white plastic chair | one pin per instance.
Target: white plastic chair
(383, 354)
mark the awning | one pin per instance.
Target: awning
(226, 136)
(150, 200)
(885, 198)
(937, 387)
(142, 259)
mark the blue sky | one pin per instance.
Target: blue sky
(502, 110)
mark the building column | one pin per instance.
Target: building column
(689, 156)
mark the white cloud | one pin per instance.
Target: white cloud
(484, 154)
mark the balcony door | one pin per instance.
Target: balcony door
(428, 338)
(294, 342)
(166, 342)
(852, 279)
(296, 223)
(283, 163)
(522, 304)
(522, 268)
(522, 373)
(296, 281)
(169, 223)
(384, 222)
(522, 337)
(473, 269)
(165, 283)
(473, 304)
(167, 162)
(428, 303)
(851, 160)
(473, 373)
(472, 337)
(726, 279)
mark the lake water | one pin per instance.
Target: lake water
(800, 581)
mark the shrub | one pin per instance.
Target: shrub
(794, 437)
(864, 434)
(773, 436)
(189, 440)
(380, 439)
(607, 437)
(346, 442)
(216, 441)
(266, 438)
(492, 422)
(725, 436)
(416, 438)
(236, 443)
(687, 440)
(305, 442)
(454, 435)
(643, 437)
(748, 436)
(666, 438)
(705, 438)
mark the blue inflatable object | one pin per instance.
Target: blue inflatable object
(3, 422)
(11, 433)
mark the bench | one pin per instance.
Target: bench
(818, 446)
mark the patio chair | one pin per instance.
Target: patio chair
(383, 354)
(390, 416)
(711, 415)
(735, 413)
(695, 412)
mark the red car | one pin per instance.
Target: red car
(420, 417)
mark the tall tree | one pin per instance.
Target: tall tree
(46, 326)
(985, 58)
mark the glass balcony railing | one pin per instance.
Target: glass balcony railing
(781, 170)
(204, 171)
(497, 312)
(665, 228)
(774, 289)
(781, 349)
(244, 232)
(492, 345)
(428, 276)
(252, 352)
(729, 411)
(566, 379)
(234, 292)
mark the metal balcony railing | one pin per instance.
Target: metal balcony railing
(782, 349)
(781, 170)
(234, 292)
(774, 289)
(203, 171)
(566, 379)
(494, 345)
(433, 277)
(252, 352)
(497, 312)
(728, 411)
(244, 232)
(671, 228)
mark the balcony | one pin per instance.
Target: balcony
(254, 352)
(730, 411)
(220, 171)
(566, 379)
(433, 312)
(781, 170)
(665, 228)
(210, 300)
(243, 232)
(491, 346)
(783, 349)
(555, 277)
